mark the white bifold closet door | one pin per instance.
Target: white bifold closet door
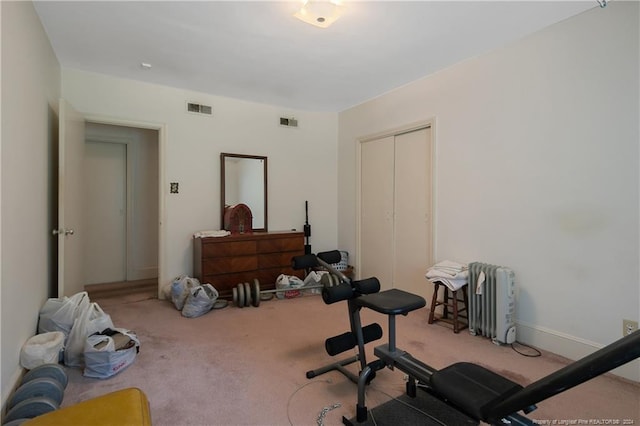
(395, 211)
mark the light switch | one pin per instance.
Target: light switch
(173, 187)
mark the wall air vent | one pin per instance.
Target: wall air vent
(199, 109)
(288, 122)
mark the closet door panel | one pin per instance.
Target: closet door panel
(376, 211)
(412, 230)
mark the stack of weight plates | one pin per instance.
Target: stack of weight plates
(41, 391)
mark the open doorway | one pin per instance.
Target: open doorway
(122, 209)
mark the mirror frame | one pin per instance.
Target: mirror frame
(223, 157)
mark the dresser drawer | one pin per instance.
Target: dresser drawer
(231, 248)
(272, 260)
(274, 245)
(226, 265)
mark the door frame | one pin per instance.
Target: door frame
(162, 145)
(429, 123)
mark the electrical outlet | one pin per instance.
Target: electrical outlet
(629, 327)
(173, 187)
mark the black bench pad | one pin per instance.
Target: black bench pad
(391, 302)
(472, 388)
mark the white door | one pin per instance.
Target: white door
(106, 208)
(70, 229)
(395, 210)
(376, 211)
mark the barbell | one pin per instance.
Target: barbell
(249, 294)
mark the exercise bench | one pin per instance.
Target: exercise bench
(469, 391)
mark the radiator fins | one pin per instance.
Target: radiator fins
(492, 302)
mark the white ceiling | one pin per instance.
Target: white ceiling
(257, 51)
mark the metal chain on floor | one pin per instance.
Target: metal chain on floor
(324, 412)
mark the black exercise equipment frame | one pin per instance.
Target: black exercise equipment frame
(455, 384)
(334, 294)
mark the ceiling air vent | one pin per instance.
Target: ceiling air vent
(288, 122)
(199, 109)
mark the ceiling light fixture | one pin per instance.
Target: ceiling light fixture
(320, 13)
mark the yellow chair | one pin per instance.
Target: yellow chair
(126, 407)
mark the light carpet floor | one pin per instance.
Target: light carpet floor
(247, 366)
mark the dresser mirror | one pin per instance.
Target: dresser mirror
(243, 180)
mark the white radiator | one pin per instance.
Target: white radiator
(492, 302)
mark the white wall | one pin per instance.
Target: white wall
(302, 162)
(536, 168)
(30, 89)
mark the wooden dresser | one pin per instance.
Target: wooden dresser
(226, 261)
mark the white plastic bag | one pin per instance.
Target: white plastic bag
(199, 301)
(41, 349)
(180, 288)
(290, 282)
(58, 314)
(313, 278)
(92, 320)
(103, 359)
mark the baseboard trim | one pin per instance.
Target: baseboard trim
(16, 377)
(568, 346)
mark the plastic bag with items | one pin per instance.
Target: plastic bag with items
(180, 289)
(58, 314)
(199, 301)
(109, 352)
(42, 349)
(92, 320)
(289, 282)
(314, 278)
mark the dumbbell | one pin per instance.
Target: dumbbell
(245, 294)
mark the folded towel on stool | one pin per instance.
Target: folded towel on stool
(452, 274)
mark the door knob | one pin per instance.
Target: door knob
(62, 232)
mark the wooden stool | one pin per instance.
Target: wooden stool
(450, 304)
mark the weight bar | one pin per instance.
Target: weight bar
(245, 294)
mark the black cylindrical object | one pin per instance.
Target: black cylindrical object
(304, 261)
(345, 341)
(337, 293)
(332, 256)
(338, 344)
(366, 286)
(372, 332)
